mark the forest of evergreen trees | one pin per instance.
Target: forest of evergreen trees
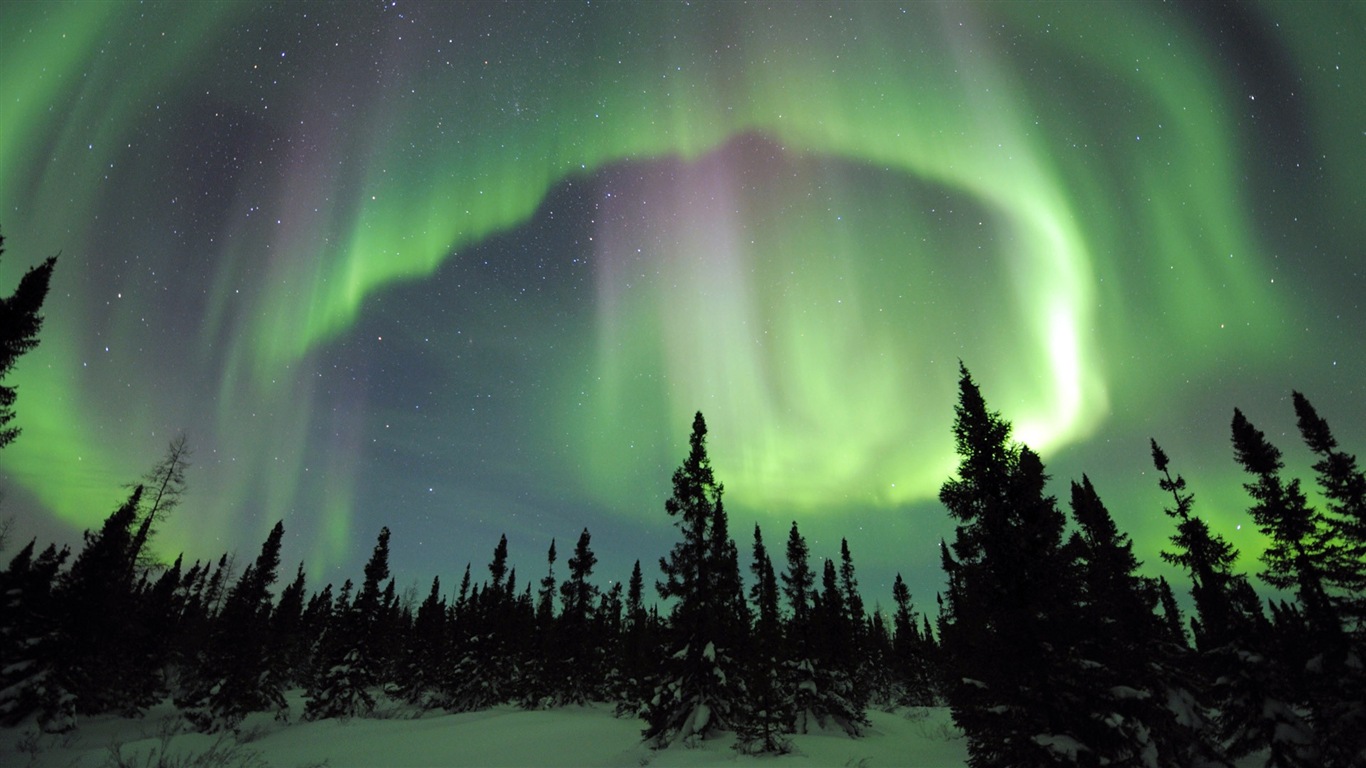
(1056, 650)
(1050, 646)
(104, 630)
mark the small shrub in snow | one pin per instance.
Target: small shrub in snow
(223, 753)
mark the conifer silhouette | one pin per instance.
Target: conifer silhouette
(700, 684)
(20, 322)
(1009, 635)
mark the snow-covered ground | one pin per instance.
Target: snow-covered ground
(505, 736)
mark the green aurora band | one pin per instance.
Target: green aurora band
(814, 212)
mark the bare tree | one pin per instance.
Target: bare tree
(165, 484)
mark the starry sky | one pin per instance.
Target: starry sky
(468, 269)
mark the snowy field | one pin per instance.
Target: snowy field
(505, 736)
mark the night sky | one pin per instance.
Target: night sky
(469, 269)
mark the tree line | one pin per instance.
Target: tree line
(101, 631)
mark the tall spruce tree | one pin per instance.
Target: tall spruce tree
(580, 658)
(29, 619)
(910, 652)
(883, 684)
(768, 712)
(1341, 719)
(1133, 663)
(424, 649)
(801, 646)
(1208, 559)
(545, 598)
(838, 701)
(486, 667)
(605, 635)
(1009, 634)
(216, 585)
(544, 681)
(638, 651)
(1343, 486)
(1244, 694)
(799, 585)
(353, 658)
(1172, 620)
(20, 322)
(726, 587)
(1316, 662)
(316, 626)
(96, 637)
(1296, 532)
(155, 637)
(858, 661)
(234, 676)
(699, 687)
(853, 601)
(291, 639)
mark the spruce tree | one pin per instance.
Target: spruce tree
(235, 676)
(291, 640)
(638, 650)
(605, 635)
(837, 701)
(726, 588)
(424, 650)
(545, 602)
(1295, 531)
(374, 612)
(1111, 573)
(768, 712)
(486, 665)
(580, 658)
(1009, 634)
(698, 690)
(521, 641)
(352, 657)
(317, 622)
(1133, 662)
(1207, 558)
(498, 567)
(798, 582)
(884, 685)
(857, 660)
(462, 597)
(1318, 666)
(543, 673)
(1244, 696)
(1341, 719)
(853, 601)
(1172, 621)
(20, 322)
(214, 589)
(28, 624)
(95, 637)
(194, 624)
(910, 652)
(1343, 485)
(801, 642)
(154, 638)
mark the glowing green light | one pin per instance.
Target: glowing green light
(841, 216)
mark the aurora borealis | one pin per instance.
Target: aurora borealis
(465, 269)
